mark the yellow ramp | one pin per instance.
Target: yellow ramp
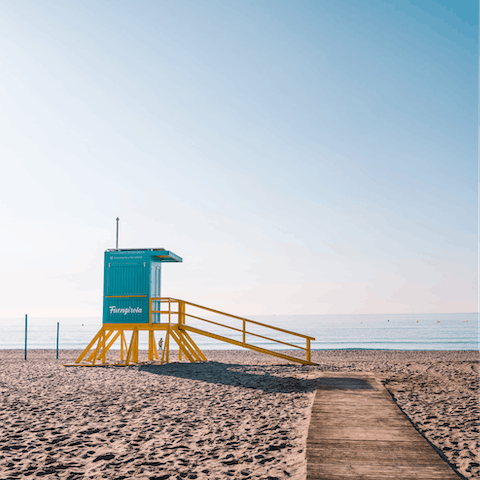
(183, 312)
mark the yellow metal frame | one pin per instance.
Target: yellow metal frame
(96, 352)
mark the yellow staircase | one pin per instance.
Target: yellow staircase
(177, 314)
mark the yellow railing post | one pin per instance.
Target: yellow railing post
(181, 305)
(308, 350)
(169, 312)
(181, 321)
(244, 331)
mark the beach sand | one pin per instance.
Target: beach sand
(240, 415)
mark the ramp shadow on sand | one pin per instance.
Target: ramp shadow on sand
(271, 378)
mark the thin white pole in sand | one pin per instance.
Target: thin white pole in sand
(25, 337)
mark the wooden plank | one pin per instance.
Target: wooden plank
(329, 397)
(379, 473)
(341, 408)
(366, 447)
(366, 433)
(360, 433)
(377, 458)
(366, 421)
(362, 414)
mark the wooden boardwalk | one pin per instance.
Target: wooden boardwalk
(358, 432)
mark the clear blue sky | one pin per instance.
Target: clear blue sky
(301, 156)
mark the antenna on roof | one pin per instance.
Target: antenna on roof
(116, 246)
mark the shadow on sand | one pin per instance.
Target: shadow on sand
(268, 378)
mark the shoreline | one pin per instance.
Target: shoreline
(240, 349)
(240, 414)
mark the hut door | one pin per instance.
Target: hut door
(155, 278)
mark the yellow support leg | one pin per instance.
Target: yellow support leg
(180, 342)
(125, 343)
(99, 345)
(131, 348)
(112, 341)
(155, 351)
(194, 346)
(89, 359)
(152, 345)
(163, 351)
(122, 342)
(135, 348)
(167, 346)
(189, 351)
(104, 341)
(89, 347)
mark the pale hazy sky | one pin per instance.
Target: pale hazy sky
(302, 157)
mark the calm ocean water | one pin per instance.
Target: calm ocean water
(452, 331)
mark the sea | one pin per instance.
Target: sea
(431, 331)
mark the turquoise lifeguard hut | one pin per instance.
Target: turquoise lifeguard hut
(131, 278)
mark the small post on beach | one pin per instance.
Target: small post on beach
(25, 337)
(58, 332)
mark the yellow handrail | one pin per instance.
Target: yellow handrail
(251, 321)
(164, 299)
(243, 331)
(182, 314)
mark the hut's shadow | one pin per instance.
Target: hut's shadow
(268, 378)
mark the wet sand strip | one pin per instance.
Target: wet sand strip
(358, 432)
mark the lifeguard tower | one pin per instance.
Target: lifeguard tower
(132, 303)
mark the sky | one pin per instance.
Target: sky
(302, 157)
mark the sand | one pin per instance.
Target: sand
(240, 415)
